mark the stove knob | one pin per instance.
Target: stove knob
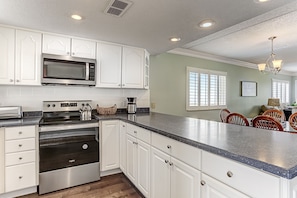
(54, 105)
(48, 106)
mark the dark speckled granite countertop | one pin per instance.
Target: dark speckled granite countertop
(271, 151)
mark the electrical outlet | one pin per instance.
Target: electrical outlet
(153, 105)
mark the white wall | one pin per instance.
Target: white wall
(31, 97)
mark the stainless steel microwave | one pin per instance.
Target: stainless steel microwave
(68, 70)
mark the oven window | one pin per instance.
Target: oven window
(67, 70)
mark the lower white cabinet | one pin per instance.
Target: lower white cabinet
(2, 154)
(172, 178)
(138, 164)
(21, 158)
(212, 188)
(123, 156)
(110, 145)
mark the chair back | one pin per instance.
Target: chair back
(223, 114)
(293, 120)
(279, 115)
(236, 118)
(267, 122)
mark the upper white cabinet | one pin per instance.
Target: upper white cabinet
(132, 67)
(20, 57)
(28, 58)
(7, 46)
(120, 66)
(60, 45)
(110, 145)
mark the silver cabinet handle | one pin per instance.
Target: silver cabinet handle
(135, 143)
(20, 145)
(20, 158)
(202, 182)
(170, 163)
(10, 80)
(20, 177)
(168, 146)
(18, 80)
(123, 84)
(72, 160)
(73, 53)
(166, 161)
(229, 174)
(68, 53)
(20, 132)
(135, 132)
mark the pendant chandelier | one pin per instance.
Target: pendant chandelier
(272, 64)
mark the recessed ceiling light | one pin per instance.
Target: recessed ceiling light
(175, 39)
(261, 1)
(206, 23)
(76, 17)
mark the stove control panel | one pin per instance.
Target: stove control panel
(52, 106)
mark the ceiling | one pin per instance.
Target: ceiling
(241, 31)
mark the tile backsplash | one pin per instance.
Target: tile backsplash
(31, 97)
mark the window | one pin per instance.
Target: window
(281, 90)
(206, 89)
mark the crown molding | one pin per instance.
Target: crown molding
(221, 59)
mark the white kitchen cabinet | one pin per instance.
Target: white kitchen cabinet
(28, 58)
(20, 57)
(120, 66)
(211, 188)
(240, 177)
(7, 63)
(110, 145)
(123, 156)
(146, 77)
(138, 158)
(172, 178)
(2, 167)
(109, 65)
(132, 67)
(21, 158)
(62, 45)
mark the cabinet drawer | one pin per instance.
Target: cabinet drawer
(140, 133)
(19, 145)
(20, 158)
(179, 150)
(246, 179)
(20, 176)
(12, 133)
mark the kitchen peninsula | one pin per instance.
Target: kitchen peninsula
(266, 159)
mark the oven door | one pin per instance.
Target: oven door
(67, 146)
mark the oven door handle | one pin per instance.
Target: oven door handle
(67, 127)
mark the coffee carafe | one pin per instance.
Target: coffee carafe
(131, 106)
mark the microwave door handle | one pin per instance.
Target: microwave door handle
(87, 71)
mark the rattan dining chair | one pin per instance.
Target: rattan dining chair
(279, 115)
(223, 114)
(267, 122)
(236, 118)
(293, 120)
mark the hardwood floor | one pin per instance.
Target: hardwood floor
(114, 186)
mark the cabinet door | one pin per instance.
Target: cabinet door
(143, 167)
(83, 48)
(110, 142)
(2, 178)
(58, 45)
(28, 58)
(7, 37)
(212, 188)
(184, 180)
(109, 65)
(123, 146)
(160, 174)
(131, 159)
(132, 67)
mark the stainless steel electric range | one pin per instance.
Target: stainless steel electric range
(68, 146)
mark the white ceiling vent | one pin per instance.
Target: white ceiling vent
(117, 7)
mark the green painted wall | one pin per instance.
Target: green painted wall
(168, 86)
